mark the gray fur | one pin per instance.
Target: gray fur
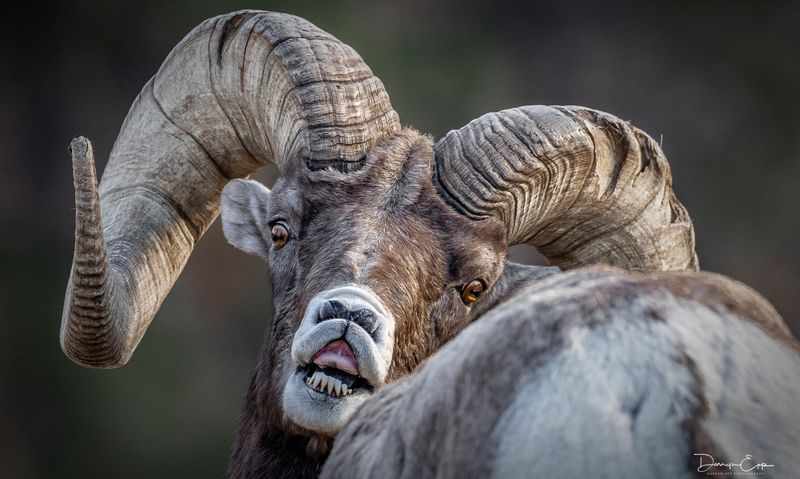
(593, 373)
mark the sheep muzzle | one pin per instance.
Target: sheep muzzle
(340, 353)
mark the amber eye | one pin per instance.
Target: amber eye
(472, 291)
(280, 236)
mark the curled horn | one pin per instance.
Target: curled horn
(239, 91)
(580, 185)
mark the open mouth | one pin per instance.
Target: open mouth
(334, 382)
(340, 356)
(333, 371)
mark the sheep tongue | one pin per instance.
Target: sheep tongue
(337, 354)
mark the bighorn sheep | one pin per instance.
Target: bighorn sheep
(378, 241)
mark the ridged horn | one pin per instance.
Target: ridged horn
(580, 185)
(239, 91)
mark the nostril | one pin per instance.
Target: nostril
(365, 318)
(332, 309)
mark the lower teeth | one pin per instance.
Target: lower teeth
(323, 383)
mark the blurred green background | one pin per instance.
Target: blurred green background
(718, 83)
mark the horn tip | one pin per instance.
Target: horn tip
(80, 145)
(83, 167)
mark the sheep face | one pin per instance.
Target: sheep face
(371, 273)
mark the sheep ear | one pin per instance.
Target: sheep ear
(244, 216)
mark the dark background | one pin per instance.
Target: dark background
(718, 83)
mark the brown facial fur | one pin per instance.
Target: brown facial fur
(383, 227)
(364, 227)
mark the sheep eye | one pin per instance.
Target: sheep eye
(472, 291)
(280, 236)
